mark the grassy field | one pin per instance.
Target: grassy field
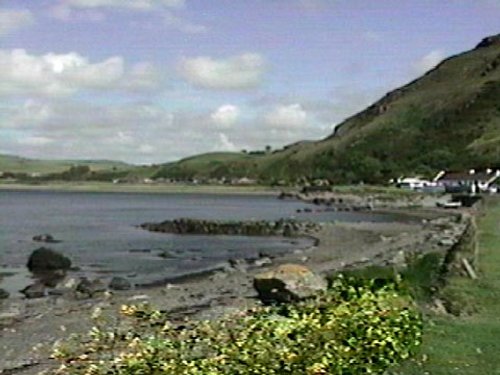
(469, 344)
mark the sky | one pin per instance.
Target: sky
(151, 81)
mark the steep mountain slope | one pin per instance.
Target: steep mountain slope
(447, 119)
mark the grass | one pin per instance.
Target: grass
(470, 343)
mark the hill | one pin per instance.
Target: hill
(211, 165)
(447, 119)
(16, 164)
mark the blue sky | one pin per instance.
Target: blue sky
(155, 80)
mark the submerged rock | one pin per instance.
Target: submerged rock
(45, 259)
(288, 282)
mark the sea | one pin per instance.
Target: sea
(99, 232)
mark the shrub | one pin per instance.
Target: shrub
(351, 329)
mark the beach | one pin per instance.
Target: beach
(32, 326)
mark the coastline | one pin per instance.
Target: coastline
(106, 187)
(203, 296)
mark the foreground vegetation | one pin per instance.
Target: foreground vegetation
(468, 343)
(352, 329)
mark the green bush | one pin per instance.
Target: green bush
(347, 330)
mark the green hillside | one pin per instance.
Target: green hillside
(447, 119)
(212, 165)
(16, 164)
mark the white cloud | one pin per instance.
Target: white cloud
(65, 74)
(287, 116)
(225, 144)
(238, 72)
(12, 20)
(138, 132)
(429, 61)
(225, 116)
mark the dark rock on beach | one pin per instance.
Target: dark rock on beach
(120, 283)
(288, 282)
(87, 288)
(34, 291)
(45, 259)
(4, 294)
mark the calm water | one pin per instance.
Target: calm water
(98, 231)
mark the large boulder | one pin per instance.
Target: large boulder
(45, 259)
(287, 283)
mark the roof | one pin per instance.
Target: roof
(466, 176)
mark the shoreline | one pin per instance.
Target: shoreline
(201, 296)
(107, 187)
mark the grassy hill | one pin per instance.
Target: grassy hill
(447, 119)
(212, 165)
(16, 164)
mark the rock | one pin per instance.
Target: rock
(240, 265)
(166, 255)
(47, 238)
(90, 288)
(34, 291)
(10, 315)
(44, 259)
(64, 287)
(399, 260)
(288, 282)
(69, 284)
(120, 283)
(261, 262)
(4, 294)
(446, 242)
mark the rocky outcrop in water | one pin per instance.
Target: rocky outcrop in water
(287, 228)
(45, 259)
(47, 238)
(287, 283)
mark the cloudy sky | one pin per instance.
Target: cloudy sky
(149, 81)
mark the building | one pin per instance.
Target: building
(413, 183)
(472, 181)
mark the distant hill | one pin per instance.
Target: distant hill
(211, 165)
(16, 164)
(447, 119)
